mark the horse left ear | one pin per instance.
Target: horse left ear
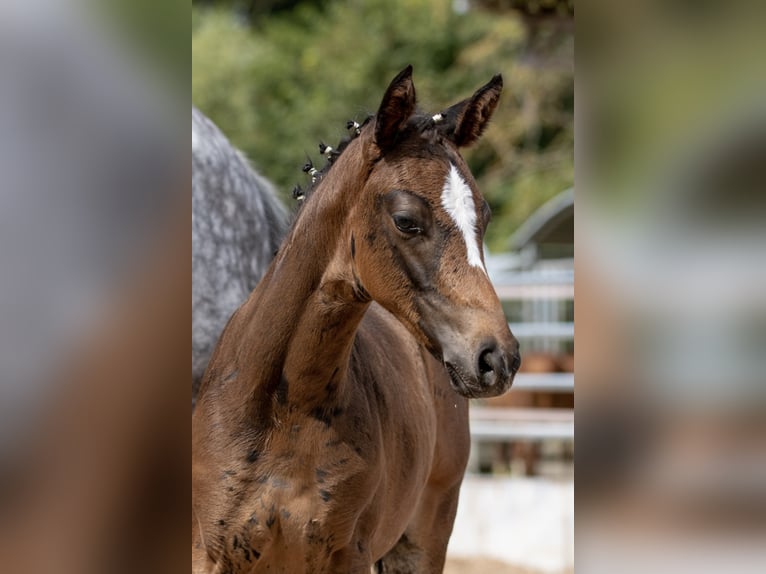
(464, 122)
(396, 108)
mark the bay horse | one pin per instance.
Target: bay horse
(237, 226)
(331, 430)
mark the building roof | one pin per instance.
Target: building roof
(553, 222)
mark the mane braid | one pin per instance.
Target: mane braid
(332, 154)
(418, 123)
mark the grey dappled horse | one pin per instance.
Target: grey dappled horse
(237, 225)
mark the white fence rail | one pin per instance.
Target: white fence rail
(543, 325)
(548, 330)
(544, 382)
(506, 424)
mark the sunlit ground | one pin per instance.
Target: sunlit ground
(487, 566)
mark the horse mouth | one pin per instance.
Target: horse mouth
(458, 381)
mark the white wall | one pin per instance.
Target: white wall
(527, 522)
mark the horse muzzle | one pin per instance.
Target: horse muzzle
(487, 373)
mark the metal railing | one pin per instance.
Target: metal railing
(547, 329)
(502, 424)
(553, 283)
(544, 382)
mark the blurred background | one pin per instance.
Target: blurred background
(94, 285)
(278, 77)
(671, 314)
(671, 263)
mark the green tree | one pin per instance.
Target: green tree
(280, 85)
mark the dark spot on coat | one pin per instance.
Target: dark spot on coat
(353, 247)
(256, 553)
(252, 456)
(315, 539)
(279, 483)
(325, 495)
(380, 399)
(235, 542)
(225, 564)
(282, 390)
(329, 545)
(322, 415)
(321, 475)
(221, 522)
(332, 384)
(270, 520)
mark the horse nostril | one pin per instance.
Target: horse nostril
(485, 362)
(516, 364)
(490, 360)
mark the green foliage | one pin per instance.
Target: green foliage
(292, 79)
(155, 32)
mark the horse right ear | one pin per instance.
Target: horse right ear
(464, 122)
(396, 108)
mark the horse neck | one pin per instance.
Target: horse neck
(294, 335)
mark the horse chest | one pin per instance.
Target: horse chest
(297, 519)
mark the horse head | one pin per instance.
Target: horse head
(415, 230)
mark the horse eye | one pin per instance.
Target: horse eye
(406, 224)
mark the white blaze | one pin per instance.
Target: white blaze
(457, 199)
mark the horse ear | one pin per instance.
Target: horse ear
(396, 108)
(464, 122)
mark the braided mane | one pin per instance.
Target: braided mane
(419, 122)
(332, 154)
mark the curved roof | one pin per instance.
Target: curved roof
(553, 222)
